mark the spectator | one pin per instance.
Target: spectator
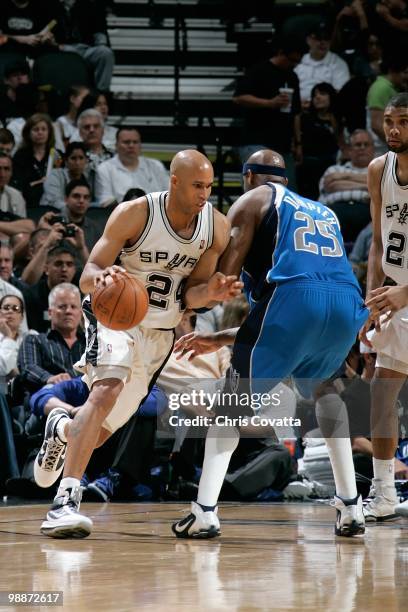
(36, 157)
(350, 29)
(75, 168)
(41, 241)
(77, 199)
(99, 101)
(272, 118)
(359, 253)
(81, 28)
(91, 127)
(320, 64)
(15, 74)
(28, 102)
(11, 200)
(393, 80)
(11, 336)
(129, 449)
(50, 357)
(320, 135)
(367, 62)
(133, 194)
(7, 141)
(344, 187)
(392, 22)
(6, 267)
(65, 125)
(59, 268)
(24, 22)
(128, 169)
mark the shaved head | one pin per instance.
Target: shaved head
(189, 161)
(264, 157)
(267, 157)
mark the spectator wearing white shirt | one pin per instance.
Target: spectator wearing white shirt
(344, 187)
(320, 64)
(128, 169)
(11, 200)
(99, 101)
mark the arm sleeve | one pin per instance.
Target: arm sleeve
(8, 356)
(28, 362)
(52, 195)
(341, 74)
(103, 187)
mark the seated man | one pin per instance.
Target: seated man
(77, 200)
(12, 205)
(127, 169)
(132, 444)
(91, 127)
(49, 357)
(6, 267)
(81, 28)
(343, 188)
(15, 74)
(60, 268)
(7, 142)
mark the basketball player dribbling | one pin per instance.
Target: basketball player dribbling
(171, 241)
(388, 186)
(306, 311)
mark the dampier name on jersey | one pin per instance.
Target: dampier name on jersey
(297, 203)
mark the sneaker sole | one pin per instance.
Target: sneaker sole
(81, 530)
(203, 534)
(370, 518)
(349, 531)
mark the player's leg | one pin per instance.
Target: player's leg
(385, 387)
(332, 417)
(203, 522)
(83, 434)
(221, 441)
(342, 313)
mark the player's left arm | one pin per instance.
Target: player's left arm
(204, 285)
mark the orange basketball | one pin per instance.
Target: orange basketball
(121, 304)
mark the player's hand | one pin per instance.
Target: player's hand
(223, 288)
(279, 101)
(108, 275)
(197, 344)
(387, 301)
(4, 328)
(363, 333)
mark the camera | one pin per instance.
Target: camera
(69, 229)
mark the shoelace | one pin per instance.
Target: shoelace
(52, 455)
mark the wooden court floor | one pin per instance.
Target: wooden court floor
(270, 557)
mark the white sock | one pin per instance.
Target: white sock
(331, 413)
(384, 470)
(219, 446)
(61, 425)
(68, 483)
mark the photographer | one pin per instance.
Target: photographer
(59, 268)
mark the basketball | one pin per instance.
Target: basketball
(120, 304)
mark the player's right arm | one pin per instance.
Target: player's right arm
(375, 273)
(125, 224)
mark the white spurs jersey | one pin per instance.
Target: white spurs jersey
(162, 260)
(394, 223)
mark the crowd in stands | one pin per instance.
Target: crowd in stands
(317, 99)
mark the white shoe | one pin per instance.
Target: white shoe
(198, 524)
(402, 509)
(63, 520)
(380, 503)
(350, 517)
(49, 462)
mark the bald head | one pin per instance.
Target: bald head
(264, 157)
(189, 161)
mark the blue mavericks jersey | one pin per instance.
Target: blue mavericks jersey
(308, 243)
